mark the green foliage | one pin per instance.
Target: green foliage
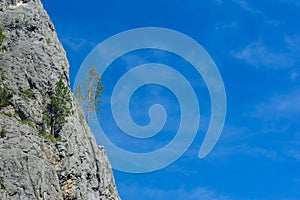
(3, 132)
(89, 97)
(29, 123)
(47, 119)
(60, 107)
(63, 67)
(98, 95)
(6, 114)
(2, 37)
(50, 137)
(4, 97)
(110, 189)
(48, 41)
(3, 77)
(27, 93)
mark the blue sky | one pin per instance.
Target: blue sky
(256, 46)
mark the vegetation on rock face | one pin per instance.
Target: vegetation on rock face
(48, 41)
(6, 114)
(89, 98)
(4, 97)
(27, 93)
(4, 94)
(1, 36)
(2, 75)
(110, 189)
(59, 107)
(50, 137)
(3, 132)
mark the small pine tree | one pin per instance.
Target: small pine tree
(1, 36)
(60, 107)
(90, 98)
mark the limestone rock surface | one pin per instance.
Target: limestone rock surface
(33, 165)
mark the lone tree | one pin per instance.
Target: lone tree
(60, 107)
(89, 96)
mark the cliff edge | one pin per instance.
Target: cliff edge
(37, 161)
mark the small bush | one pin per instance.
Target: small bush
(4, 97)
(7, 114)
(3, 77)
(110, 189)
(3, 132)
(1, 36)
(50, 137)
(48, 41)
(27, 93)
(47, 119)
(29, 123)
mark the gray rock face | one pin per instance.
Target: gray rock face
(32, 164)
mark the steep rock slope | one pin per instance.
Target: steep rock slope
(33, 163)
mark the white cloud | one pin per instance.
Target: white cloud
(293, 43)
(293, 153)
(75, 43)
(280, 106)
(243, 4)
(243, 149)
(133, 192)
(259, 55)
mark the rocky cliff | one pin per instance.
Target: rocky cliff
(40, 159)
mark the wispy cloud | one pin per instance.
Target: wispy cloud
(76, 43)
(226, 26)
(243, 4)
(293, 43)
(292, 2)
(277, 114)
(293, 153)
(280, 106)
(259, 55)
(132, 192)
(244, 150)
